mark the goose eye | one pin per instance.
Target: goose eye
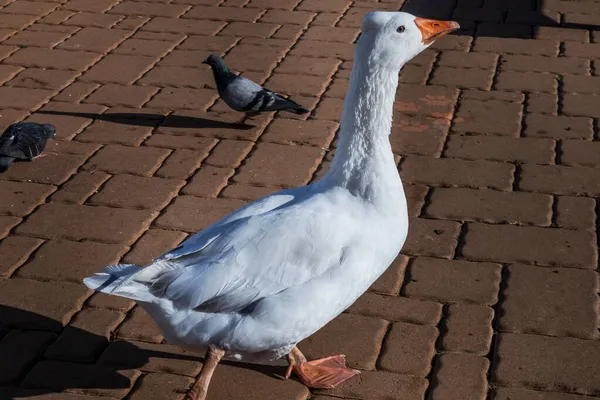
(400, 29)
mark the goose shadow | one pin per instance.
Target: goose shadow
(141, 119)
(38, 356)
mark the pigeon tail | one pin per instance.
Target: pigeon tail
(299, 110)
(5, 162)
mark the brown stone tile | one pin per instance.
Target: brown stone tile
(95, 6)
(229, 153)
(331, 34)
(152, 48)
(499, 148)
(43, 79)
(106, 132)
(109, 302)
(522, 360)
(179, 25)
(56, 220)
(489, 117)
(289, 131)
(71, 147)
(559, 65)
(408, 349)
(391, 280)
(118, 68)
(543, 246)
(15, 251)
(16, 21)
(177, 98)
(22, 348)
(152, 244)
(579, 153)
(150, 9)
(157, 386)
(23, 98)
(264, 166)
(52, 169)
(516, 46)
(118, 95)
(559, 127)
(76, 92)
(358, 338)
(181, 164)
(543, 103)
(81, 186)
(7, 223)
(95, 20)
(63, 260)
(37, 38)
(455, 281)
(429, 237)
(460, 376)
(468, 329)
(550, 301)
(229, 14)
(463, 78)
(81, 378)
(575, 212)
(192, 214)
(580, 104)
(455, 172)
(19, 199)
(504, 393)
(318, 49)
(69, 119)
(490, 206)
(419, 135)
(53, 58)
(139, 326)
(393, 308)
(130, 191)
(47, 306)
(246, 192)
(96, 40)
(430, 101)
(115, 159)
(208, 181)
(461, 59)
(85, 337)
(246, 29)
(308, 66)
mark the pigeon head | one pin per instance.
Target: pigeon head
(215, 62)
(391, 39)
(49, 130)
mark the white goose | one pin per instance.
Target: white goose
(254, 284)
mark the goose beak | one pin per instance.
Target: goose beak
(431, 29)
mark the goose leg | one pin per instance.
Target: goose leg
(325, 373)
(200, 388)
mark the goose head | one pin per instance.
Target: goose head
(391, 39)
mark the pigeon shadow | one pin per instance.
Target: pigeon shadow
(496, 18)
(141, 119)
(38, 356)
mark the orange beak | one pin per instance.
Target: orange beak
(432, 29)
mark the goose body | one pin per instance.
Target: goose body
(257, 282)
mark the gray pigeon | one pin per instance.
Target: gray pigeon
(23, 141)
(246, 96)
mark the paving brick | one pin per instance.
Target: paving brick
(560, 65)
(507, 96)
(181, 164)
(246, 192)
(579, 152)
(463, 78)
(308, 66)
(43, 79)
(415, 198)
(544, 103)
(178, 25)
(152, 244)
(37, 38)
(313, 48)
(130, 191)
(177, 77)
(408, 349)
(490, 206)
(393, 308)
(301, 18)
(380, 385)
(537, 125)
(561, 34)
(17, 21)
(53, 58)
(192, 214)
(7, 72)
(447, 171)
(69, 119)
(116, 159)
(97, 40)
(119, 95)
(527, 81)
(585, 50)
(264, 166)
(76, 92)
(81, 186)
(431, 101)
(415, 74)
(575, 212)
(497, 148)
(468, 329)
(150, 9)
(139, 326)
(50, 25)
(96, 6)
(229, 14)
(202, 145)
(22, 348)
(516, 46)
(52, 169)
(520, 362)
(288, 131)
(86, 336)
(550, 301)
(88, 19)
(419, 135)
(19, 199)
(229, 153)
(152, 48)
(190, 59)
(178, 98)
(81, 378)
(64, 221)
(47, 306)
(7, 223)
(357, 337)
(543, 246)
(338, 88)
(467, 60)
(156, 386)
(430, 237)
(246, 29)
(581, 84)
(504, 393)
(560, 180)
(23, 98)
(208, 181)
(275, 4)
(15, 251)
(489, 117)
(132, 22)
(109, 302)
(580, 104)
(456, 281)
(118, 68)
(459, 376)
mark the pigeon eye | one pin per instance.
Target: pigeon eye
(400, 29)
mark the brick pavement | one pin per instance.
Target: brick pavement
(496, 132)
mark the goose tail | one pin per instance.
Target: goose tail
(114, 279)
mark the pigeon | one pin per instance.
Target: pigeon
(246, 96)
(23, 141)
